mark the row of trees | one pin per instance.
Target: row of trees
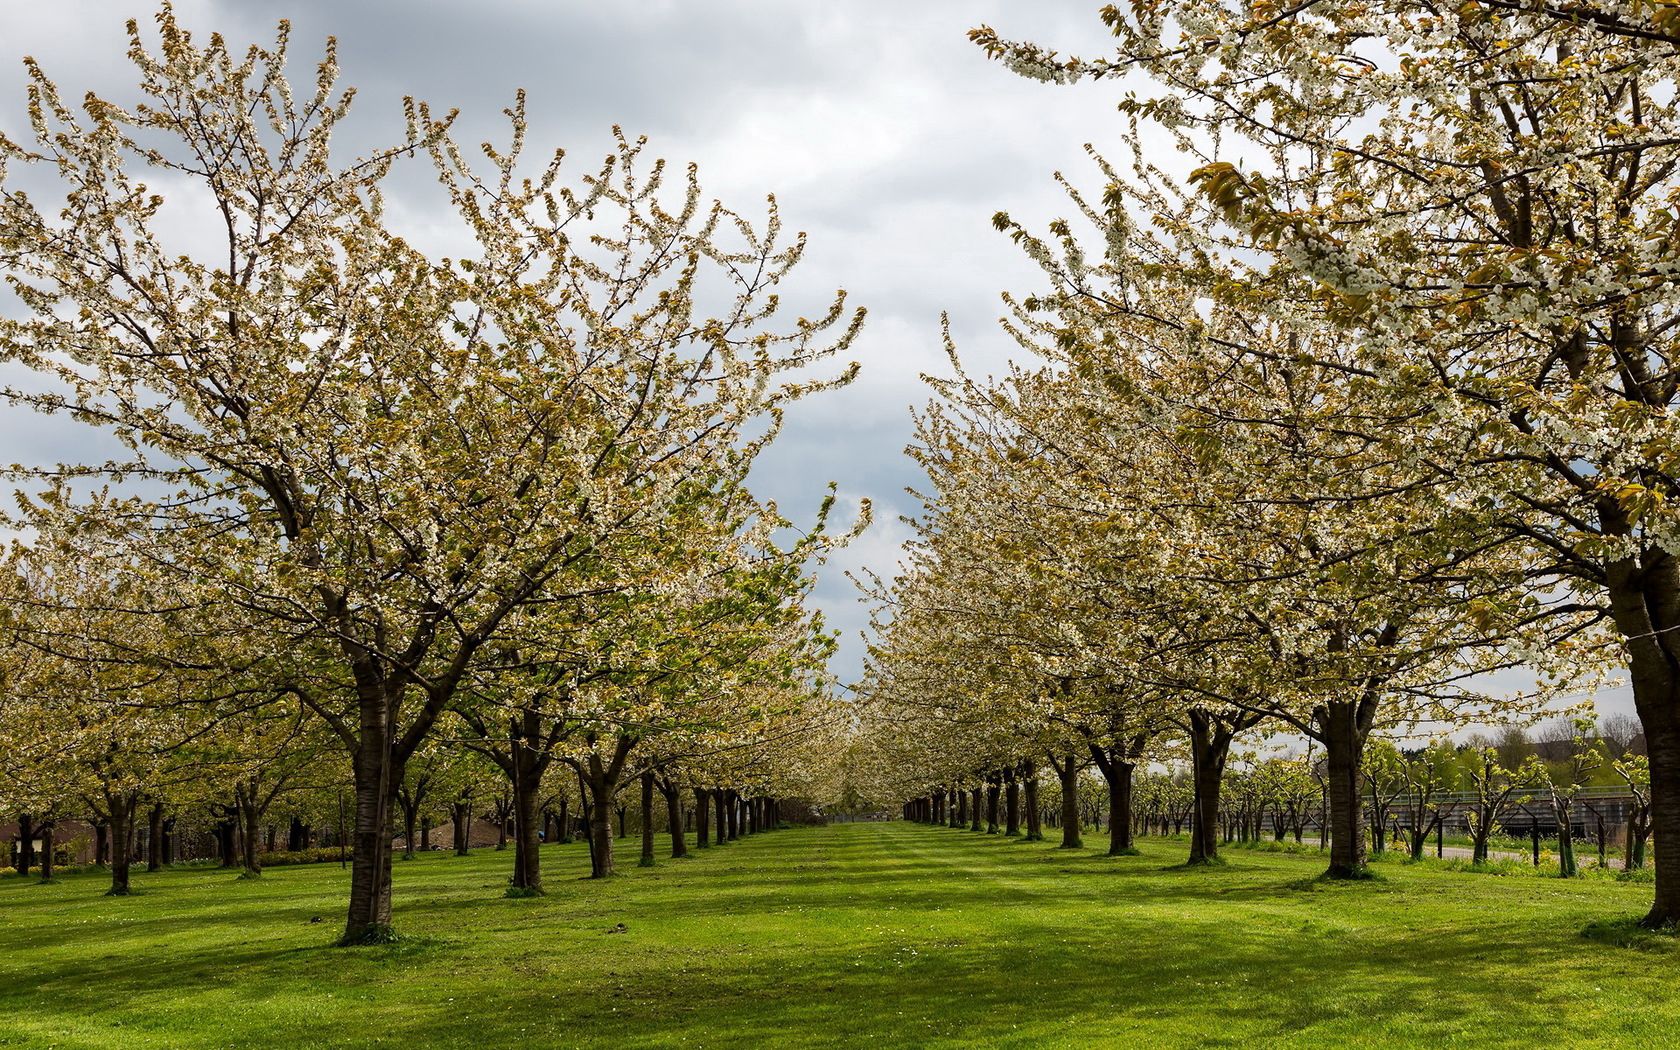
(370, 507)
(1319, 443)
(1477, 791)
(189, 811)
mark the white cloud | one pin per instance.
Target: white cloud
(883, 131)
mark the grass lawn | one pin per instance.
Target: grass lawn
(864, 934)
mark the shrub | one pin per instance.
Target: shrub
(1505, 866)
(318, 855)
(1273, 846)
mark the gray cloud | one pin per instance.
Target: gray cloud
(885, 135)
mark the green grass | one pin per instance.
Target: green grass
(863, 934)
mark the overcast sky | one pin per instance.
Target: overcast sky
(885, 134)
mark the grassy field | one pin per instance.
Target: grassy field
(857, 934)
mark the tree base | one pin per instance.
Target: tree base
(1205, 862)
(116, 892)
(1631, 933)
(1075, 844)
(520, 892)
(1126, 851)
(645, 862)
(1342, 873)
(1657, 922)
(377, 934)
(250, 874)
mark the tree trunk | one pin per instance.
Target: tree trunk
(1067, 772)
(1342, 726)
(1012, 805)
(1210, 745)
(1663, 750)
(601, 782)
(994, 788)
(1633, 843)
(1645, 605)
(734, 815)
(526, 775)
(378, 772)
(101, 842)
(154, 837)
(460, 811)
(411, 818)
(1035, 818)
(647, 820)
(674, 818)
(226, 835)
(26, 843)
(1120, 809)
(1117, 768)
(250, 815)
(1479, 839)
(600, 833)
(702, 818)
(121, 809)
(974, 807)
(1566, 837)
(1419, 839)
(47, 830)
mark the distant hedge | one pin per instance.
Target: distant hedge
(319, 855)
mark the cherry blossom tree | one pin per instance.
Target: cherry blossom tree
(369, 458)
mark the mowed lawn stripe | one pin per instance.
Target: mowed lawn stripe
(861, 934)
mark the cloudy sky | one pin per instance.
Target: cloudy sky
(884, 133)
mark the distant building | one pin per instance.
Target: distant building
(73, 843)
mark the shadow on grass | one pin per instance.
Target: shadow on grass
(893, 935)
(1629, 933)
